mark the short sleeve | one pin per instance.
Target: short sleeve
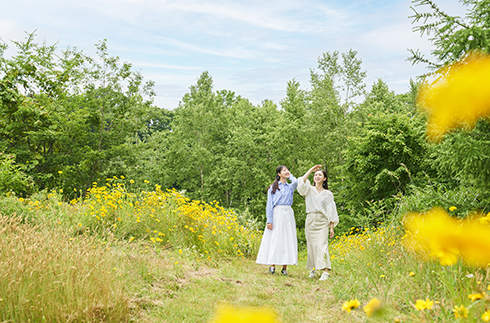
(303, 186)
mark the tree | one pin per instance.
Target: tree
(69, 117)
(452, 38)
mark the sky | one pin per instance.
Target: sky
(252, 48)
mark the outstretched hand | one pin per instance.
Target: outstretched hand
(316, 167)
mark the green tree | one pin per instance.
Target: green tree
(463, 155)
(70, 118)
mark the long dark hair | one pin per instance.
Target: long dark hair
(325, 182)
(275, 185)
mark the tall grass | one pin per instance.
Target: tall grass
(49, 276)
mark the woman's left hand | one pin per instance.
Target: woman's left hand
(331, 233)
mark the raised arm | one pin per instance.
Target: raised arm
(308, 173)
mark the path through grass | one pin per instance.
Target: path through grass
(182, 290)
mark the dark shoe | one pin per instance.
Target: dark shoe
(272, 270)
(284, 272)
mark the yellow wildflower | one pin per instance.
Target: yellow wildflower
(452, 208)
(350, 305)
(460, 312)
(411, 274)
(486, 316)
(231, 314)
(373, 306)
(421, 305)
(60, 172)
(476, 296)
(458, 96)
(444, 238)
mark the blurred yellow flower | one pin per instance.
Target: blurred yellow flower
(452, 208)
(458, 96)
(476, 296)
(232, 314)
(180, 251)
(60, 172)
(460, 312)
(445, 238)
(421, 305)
(350, 305)
(371, 307)
(486, 316)
(411, 274)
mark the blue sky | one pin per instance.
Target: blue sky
(250, 47)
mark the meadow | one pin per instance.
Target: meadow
(123, 255)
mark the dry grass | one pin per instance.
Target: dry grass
(48, 276)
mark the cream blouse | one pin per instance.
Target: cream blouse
(318, 202)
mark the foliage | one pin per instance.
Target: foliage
(385, 157)
(452, 36)
(164, 218)
(70, 118)
(13, 178)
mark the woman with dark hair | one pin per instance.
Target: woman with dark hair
(279, 244)
(321, 217)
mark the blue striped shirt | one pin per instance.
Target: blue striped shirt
(283, 196)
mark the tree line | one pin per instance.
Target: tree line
(68, 120)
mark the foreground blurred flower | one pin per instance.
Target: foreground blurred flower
(458, 96)
(231, 314)
(486, 316)
(421, 305)
(475, 297)
(442, 237)
(372, 307)
(350, 305)
(460, 312)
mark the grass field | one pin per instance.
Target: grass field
(121, 256)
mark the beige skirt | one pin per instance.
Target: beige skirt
(317, 229)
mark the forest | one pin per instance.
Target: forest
(69, 120)
(84, 147)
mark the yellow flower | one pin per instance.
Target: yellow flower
(231, 314)
(131, 181)
(382, 276)
(421, 305)
(371, 307)
(21, 199)
(460, 312)
(458, 96)
(486, 316)
(180, 251)
(60, 172)
(411, 274)
(475, 297)
(350, 305)
(444, 238)
(452, 208)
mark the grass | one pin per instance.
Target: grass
(60, 263)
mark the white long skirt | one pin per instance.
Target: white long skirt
(279, 246)
(317, 230)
